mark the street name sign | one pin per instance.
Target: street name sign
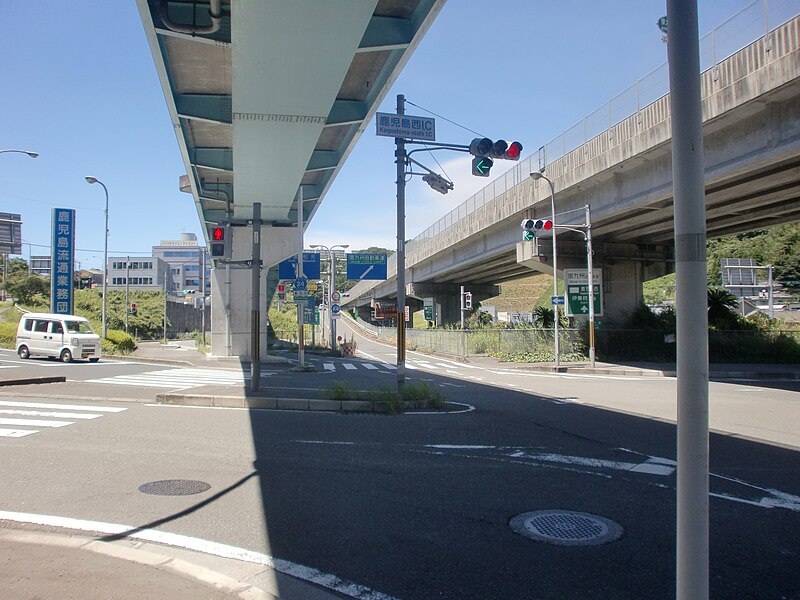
(576, 282)
(365, 265)
(405, 126)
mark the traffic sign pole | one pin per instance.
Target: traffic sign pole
(400, 154)
(590, 274)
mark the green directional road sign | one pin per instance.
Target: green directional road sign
(576, 282)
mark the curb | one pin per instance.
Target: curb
(33, 380)
(298, 404)
(147, 554)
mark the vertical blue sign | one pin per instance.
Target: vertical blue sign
(62, 260)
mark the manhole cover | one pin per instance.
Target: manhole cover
(566, 528)
(174, 487)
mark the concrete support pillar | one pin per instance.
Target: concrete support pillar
(233, 290)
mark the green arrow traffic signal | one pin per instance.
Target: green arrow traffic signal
(481, 166)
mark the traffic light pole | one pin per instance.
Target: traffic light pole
(300, 305)
(255, 292)
(400, 154)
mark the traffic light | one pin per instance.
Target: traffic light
(133, 308)
(281, 292)
(531, 226)
(484, 150)
(220, 241)
(438, 183)
(513, 151)
(467, 299)
(481, 165)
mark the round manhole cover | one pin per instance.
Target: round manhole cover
(174, 487)
(566, 528)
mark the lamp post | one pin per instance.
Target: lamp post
(28, 152)
(90, 179)
(332, 287)
(536, 175)
(5, 257)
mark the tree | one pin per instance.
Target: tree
(24, 288)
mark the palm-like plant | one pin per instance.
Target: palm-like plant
(721, 305)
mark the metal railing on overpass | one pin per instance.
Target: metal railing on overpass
(755, 21)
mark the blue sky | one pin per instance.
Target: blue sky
(80, 88)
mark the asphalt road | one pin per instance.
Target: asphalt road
(418, 506)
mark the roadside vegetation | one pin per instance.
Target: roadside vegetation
(411, 396)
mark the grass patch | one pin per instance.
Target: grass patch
(419, 395)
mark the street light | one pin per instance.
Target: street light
(5, 261)
(332, 287)
(91, 179)
(28, 152)
(536, 175)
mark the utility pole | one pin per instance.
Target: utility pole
(692, 560)
(127, 288)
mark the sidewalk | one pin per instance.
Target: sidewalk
(44, 565)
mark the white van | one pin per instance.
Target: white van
(59, 336)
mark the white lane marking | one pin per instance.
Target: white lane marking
(57, 415)
(461, 446)
(310, 574)
(352, 367)
(372, 367)
(394, 368)
(329, 443)
(17, 433)
(62, 406)
(649, 466)
(412, 367)
(15, 366)
(185, 378)
(331, 367)
(35, 422)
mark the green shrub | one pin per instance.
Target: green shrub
(117, 342)
(8, 335)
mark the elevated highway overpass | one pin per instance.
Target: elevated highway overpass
(267, 99)
(751, 127)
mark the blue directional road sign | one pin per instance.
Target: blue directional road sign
(557, 300)
(365, 265)
(287, 269)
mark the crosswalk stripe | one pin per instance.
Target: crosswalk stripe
(332, 367)
(16, 433)
(394, 368)
(182, 378)
(35, 422)
(40, 413)
(61, 406)
(351, 366)
(372, 367)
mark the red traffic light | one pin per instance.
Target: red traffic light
(513, 151)
(281, 287)
(218, 234)
(545, 224)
